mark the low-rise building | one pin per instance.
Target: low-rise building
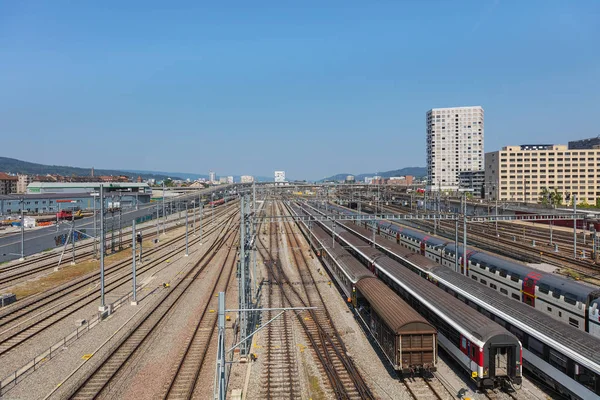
(230, 179)
(22, 182)
(521, 173)
(279, 176)
(401, 180)
(247, 179)
(472, 181)
(86, 187)
(8, 183)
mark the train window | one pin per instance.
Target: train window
(503, 291)
(493, 286)
(556, 293)
(483, 281)
(573, 322)
(515, 277)
(544, 288)
(493, 270)
(570, 298)
(516, 296)
(517, 332)
(474, 277)
(550, 309)
(558, 360)
(585, 376)
(503, 273)
(535, 346)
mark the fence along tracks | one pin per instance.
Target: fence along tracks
(97, 382)
(343, 376)
(54, 308)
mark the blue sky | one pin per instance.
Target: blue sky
(311, 87)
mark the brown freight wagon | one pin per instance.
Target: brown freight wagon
(407, 339)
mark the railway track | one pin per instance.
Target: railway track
(12, 274)
(424, 388)
(343, 376)
(53, 308)
(489, 241)
(280, 373)
(96, 383)
(185, 377)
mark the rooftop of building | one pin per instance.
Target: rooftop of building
(6, 177)
(52, 185)
(455, 108)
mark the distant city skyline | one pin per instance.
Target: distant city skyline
(314, 89)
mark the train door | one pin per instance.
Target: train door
(592, 313)
(529, 285)
(423, 243)
(397, 237)
(502, 361)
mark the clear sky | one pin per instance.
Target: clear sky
(310, 87)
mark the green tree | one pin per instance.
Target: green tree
(544, 196)
(556, 198)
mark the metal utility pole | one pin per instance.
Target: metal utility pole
(22, 201)
(456, 244)
(157, 226)
(201, 214)
(242, 275)
(73, 238)
(574, 226)
(120, 227)
(194, 218)
(220, 379)
(465, 236)
(186, 233)
(102, 241)
(133, 241)
(95, 225)
(333, 236)
(164, 214)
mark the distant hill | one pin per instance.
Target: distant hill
(187, 175)
(417, 172)
(24, 167)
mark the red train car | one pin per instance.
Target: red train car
(587, 223)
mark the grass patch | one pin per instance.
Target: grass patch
(47, 250)
(66, 274)
(572, 274)
(315, 389)
(70, 272)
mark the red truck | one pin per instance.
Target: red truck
(68, 214)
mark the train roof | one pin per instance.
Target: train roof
(446, 306)
(351, 266)
(541, 325)
(395, 312)
(465, 319)
(581, 291)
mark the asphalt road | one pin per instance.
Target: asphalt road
(50, 237)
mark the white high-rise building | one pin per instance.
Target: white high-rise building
(212, 177)
(454, 144)
(279, 176)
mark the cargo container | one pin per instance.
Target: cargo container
(407, 340)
